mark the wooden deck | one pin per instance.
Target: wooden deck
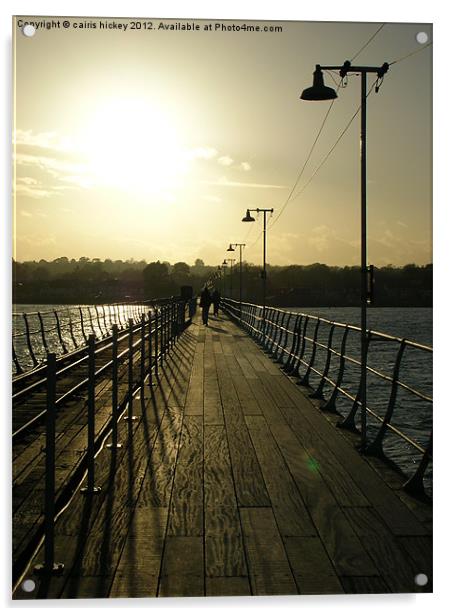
(232, 482)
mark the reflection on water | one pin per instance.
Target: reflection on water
(64, 328)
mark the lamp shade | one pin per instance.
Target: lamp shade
(248, 217)
(230, 249)
(318, 92)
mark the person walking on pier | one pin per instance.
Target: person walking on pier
(205, 301)
(216, 299)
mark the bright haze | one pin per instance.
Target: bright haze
(152, 144)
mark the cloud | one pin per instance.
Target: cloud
(225, 161)
(244, 166)
(203, 152)
(46, 165)
(26, 214)
(225, 182)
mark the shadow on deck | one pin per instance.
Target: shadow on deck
(231, 482)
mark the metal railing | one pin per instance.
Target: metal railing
(130, 359)
(324, 355)
(66, 329)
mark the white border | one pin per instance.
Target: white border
(384, 10)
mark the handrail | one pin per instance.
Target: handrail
(66, 330)
(325, 355)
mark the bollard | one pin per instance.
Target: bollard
(90, 488)
(114, 392)
(130, 417)
(49, 566)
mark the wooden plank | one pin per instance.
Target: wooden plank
(364, 585)
(269, 569)
(397, 516)
(342, 544)
(224, 552)
(139, 565)
(321, 458)
(394, 566)
(227, 586)
(312, 568)
(186, 509)
(289, 509)
(182, 571)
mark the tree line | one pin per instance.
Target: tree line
(87, 280)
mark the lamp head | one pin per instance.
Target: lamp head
(318, 92)
(224, 262)
(230, 249)
(248, 217)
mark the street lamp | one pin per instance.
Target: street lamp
(320, 92)
(231, 248)
(231, 261)
(249, 218)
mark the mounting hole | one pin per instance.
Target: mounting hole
(422, 38)
(28, 585)
(421, 579)
(29, 30)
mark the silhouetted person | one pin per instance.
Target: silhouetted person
(216, 299)
(205, 301)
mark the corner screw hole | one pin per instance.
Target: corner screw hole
(422, 38)
(421, 579)
(29, 30)
(28, 585)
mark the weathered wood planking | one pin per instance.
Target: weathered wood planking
(234, 483)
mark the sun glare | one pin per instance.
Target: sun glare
(133, 145)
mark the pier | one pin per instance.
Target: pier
(206, 464)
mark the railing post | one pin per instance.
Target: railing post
(71, 329)
(82, 324)
(104, 320)
(294, 345)
(41, 324)
(305, 380)
(130, 417)
(17, 365)
(330, 405)
(283, 345)
(114, 390)
(157, 339)
(348, 422)
(28, 338)
(143, 349)
(49, 566)
(318, 394)
(102, 335)
(375, 448)
(149, 350)
(415, 485)
(302, 344)
(58, 329)
(90, 320)
(90, 488)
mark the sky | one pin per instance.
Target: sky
(152, 143)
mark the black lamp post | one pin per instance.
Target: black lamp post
(231, 248)
(249, 218)
(320, 92)
(231, 261)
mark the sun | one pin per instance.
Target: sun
(132, 144)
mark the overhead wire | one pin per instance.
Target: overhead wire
(290, 196)
(300, 174)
